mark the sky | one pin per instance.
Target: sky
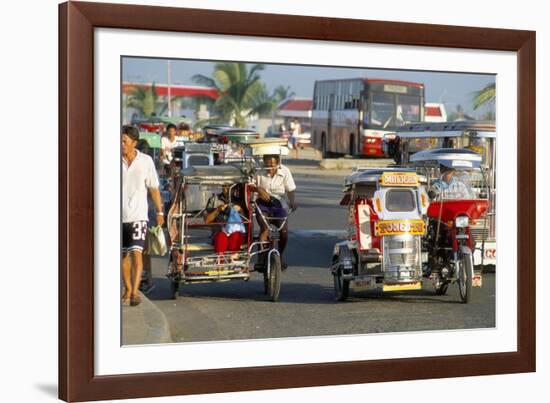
(452, 89)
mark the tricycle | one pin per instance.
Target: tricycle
(386, 210)
(458, 198)
(204, 247)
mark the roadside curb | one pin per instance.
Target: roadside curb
(349, 163)
(144, 324)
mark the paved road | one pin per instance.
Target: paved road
(239, 310)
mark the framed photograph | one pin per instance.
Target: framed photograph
(257, 201)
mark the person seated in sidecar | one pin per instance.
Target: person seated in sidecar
(228, 236)
(452, 184)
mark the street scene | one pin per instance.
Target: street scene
(367, 207)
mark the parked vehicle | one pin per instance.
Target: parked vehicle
(351, 116)
(194, 154)
(212, 131)
(386, 211)
(236, 135)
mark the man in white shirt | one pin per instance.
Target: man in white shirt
(295, 130)
(138, 177)
(167, 143)
(274, 186)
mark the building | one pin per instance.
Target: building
(434, 112)
(177, 94)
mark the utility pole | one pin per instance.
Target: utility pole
(169, 67)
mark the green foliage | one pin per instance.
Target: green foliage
(241, 93)
(484, 96)
(281, 93)
(145, 100)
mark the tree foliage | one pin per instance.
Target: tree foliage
(241, 92)
(281, 93)
(485, 95)
(145, 100)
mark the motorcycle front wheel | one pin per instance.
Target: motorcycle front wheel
(464, 275)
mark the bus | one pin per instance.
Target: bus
(351, 116)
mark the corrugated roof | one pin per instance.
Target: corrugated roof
(296, 105)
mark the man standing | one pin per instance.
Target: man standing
(295, 131)
(138, 177)
(167, 143)
(274, 186)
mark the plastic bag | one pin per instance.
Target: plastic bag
(156, 241)
(234, 222)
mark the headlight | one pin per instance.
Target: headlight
(461, 221)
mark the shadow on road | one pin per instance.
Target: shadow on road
(251, 291)
(420, 296)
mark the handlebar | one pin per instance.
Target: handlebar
(270, 224)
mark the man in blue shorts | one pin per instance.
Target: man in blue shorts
(274, 186)
(138, 177)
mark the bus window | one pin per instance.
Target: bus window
(382, 108)
(408, 108)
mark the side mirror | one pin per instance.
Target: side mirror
(483, 194)
(432, 194)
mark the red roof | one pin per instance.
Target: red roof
(297, 105)
(433, 111)
(175, 90)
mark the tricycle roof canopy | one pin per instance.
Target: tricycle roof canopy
(269, 146)
(218, 174)
(448, 129)
(449, 157)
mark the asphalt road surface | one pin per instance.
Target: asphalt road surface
(307, 307)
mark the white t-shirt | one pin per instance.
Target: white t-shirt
(137, 178)
(295, 127)
(277, 185)
(167, 146)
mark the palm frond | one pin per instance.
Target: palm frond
(204, 80)
(484, 96)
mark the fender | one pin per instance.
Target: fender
(467, 251)
(343, 257)
(269, 260)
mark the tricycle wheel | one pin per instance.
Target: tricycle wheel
(274, 280)
(464, 275)
(174, 288)
(341, 287)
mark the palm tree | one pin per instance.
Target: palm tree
(484, 96)
(145, 99)
(241, 93)
(281, 93)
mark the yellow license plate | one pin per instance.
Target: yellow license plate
(399, 227)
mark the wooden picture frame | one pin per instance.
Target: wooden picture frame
(77, 22)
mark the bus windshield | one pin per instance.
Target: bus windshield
(388, 110)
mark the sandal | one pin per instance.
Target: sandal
(125, 301)
(135, 300)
